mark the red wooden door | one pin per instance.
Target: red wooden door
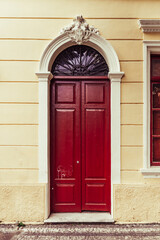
(80, 145)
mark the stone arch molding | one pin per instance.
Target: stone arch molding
(63, 41)
(79, 32)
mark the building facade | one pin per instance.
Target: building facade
(79, 104)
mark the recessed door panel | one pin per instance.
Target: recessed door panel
(94, 93)
(64, 138)
(94, 120)
(65, 193)
(95, 193)
(65, 93)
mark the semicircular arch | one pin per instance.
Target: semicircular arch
(63, 41)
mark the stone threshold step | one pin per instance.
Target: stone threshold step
(84, 217)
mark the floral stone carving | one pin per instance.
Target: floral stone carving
(79, 31)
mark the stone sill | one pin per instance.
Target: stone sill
(151, 172)
(84, 217)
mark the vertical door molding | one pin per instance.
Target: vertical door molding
(44, 152)
(49, 55)
(44, 82)
(115, 79)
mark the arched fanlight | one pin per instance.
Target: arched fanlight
(80, 60)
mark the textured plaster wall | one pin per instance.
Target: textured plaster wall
(136, 203)
(22, 203)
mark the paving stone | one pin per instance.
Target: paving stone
(6, 236)
(81, 232)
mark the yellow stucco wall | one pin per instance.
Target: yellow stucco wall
(137, 203)
(22, 202)
(26, 28)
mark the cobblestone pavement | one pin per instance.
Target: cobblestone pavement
(81, 232)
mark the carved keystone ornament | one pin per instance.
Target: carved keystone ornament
(79, 31)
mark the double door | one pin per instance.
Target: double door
(80, 144)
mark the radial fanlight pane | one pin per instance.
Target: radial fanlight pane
(80, 61)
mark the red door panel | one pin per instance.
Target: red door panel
(95, 146)
(94, 142)
(65, 147)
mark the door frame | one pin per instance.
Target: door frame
(80, 80)
(44, 76)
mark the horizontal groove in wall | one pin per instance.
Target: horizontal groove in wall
(124, 39)
(19, 124)
(18, 60)
(38, 103)
(19, 102)
(130, 60)
(28, 81)
(19, 81)
(27, 60)
(19, 145)
(66, 18)
(131, 146)
(19, 169)
(130, 170)
(50, 39)
(41, 39)
(132, 103)
(123, 82)
(131, 124)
